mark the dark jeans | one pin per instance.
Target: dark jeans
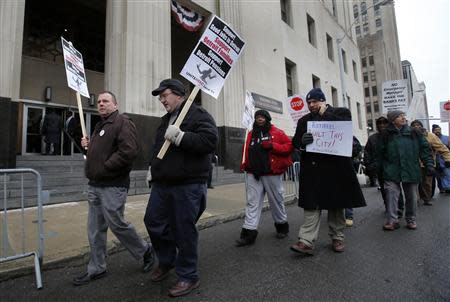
(170, 220)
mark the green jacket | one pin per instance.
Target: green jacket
(398, 154)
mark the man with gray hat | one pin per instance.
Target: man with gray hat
(327, 182)
(178, 180)
(397, 157)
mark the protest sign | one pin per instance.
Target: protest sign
(249, 111)
(445, 111)
(394, 96)
(297, 107)
(331, 137)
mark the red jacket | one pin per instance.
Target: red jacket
(280, 155)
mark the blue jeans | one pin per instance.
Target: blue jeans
(349, 213)
(170, 219)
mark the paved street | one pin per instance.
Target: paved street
(403, 265)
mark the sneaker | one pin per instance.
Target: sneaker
(349, 223)
(337, 245)
(391, 226)
(411, 225)
(302, 248)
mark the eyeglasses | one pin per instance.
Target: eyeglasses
(164, 96)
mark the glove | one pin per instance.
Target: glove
(174, 135)
(447, 164)
(431, 171)
(307, 138)
(149, 176)
(322, 109)
(267, 145)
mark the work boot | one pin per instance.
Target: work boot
(282, 229)
(248, 237)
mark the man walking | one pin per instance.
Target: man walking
(327, 182)
(178, 196)
(110, 154)
(267, 156)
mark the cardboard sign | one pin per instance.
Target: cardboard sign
(395, 96)
(213, 57)
(73, 60)
(331, 137)
(297, 107)
(249, 111)
(445, 111)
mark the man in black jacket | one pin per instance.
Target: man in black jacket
(110, 153)
(178, 196)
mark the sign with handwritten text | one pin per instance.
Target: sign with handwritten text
(331, 137)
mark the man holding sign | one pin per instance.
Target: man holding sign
(178, 196)
(327, 182)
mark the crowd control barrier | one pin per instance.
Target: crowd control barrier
(21, 248)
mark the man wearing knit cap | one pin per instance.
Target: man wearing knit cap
(267, 156)
(397, 157)
(327, 182)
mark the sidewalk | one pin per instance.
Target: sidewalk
(66, 233)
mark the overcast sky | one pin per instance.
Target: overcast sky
(423, 30)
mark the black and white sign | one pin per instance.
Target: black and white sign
(73, 60)
(395, 96)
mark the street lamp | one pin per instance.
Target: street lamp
(340, 58)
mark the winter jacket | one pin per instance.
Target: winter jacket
(51, 128)
(326, 181)
(112, 149)
(190, 161)
(369, 154)
(279, 155)
(398, 154)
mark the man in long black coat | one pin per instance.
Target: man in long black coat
(327, 182)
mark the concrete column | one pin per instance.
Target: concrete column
(12, 15)
(137, 55)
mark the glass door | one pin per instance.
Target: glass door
(32, 142)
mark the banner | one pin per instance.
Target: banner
(394, 96)
(213, 57)
(73, 60)
(297, 107)
(249, 111)
(331, 137)
(189, 20)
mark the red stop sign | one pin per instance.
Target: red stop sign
(447, 106)
(297, 104)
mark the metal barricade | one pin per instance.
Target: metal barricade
(7, 252)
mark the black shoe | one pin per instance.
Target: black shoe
(210, 187)
(86, 278)
(149, 260)
(248, 237)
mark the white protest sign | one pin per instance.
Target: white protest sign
(249, 111)
(73, 60)
(213, 57)
(331, 137)
(297, 107)
(445, 111)
(394, 96)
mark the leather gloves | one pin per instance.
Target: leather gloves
(431, 171)
(267, 145)
(307, 138)
(174, 135)
(447, 164)
(149, 176)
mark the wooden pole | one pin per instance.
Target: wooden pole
(80, 112)
(179, 120)
(245, 146)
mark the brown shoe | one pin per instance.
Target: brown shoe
(183, 288)
(302, 248)
(337, 245)
(411, 225)
(159, 274)
(391, 226)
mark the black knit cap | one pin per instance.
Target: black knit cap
(264, 113)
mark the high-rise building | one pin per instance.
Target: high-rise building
(417, 97)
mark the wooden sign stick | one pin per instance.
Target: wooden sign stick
(179, 120)
(80, 112)
(245, 146)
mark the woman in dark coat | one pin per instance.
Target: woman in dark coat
(327, 182)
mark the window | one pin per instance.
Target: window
(378, 22)
(367, 92)
(363, 8)
(368, 108)
(377, 10)
(374, 91)
(358, 30)
(376, 108)
(344, 60)
(349, 103)
(364, 62)
(355, 71)
(311, 30)
(366, 28)
(334, 96)
(330, 48)
(372, 76)
(333, 3)
(365, 77)
(285, 11)
(371, 60)
(355, 11)
(358, 110)
(290, 77)
(315, 81)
